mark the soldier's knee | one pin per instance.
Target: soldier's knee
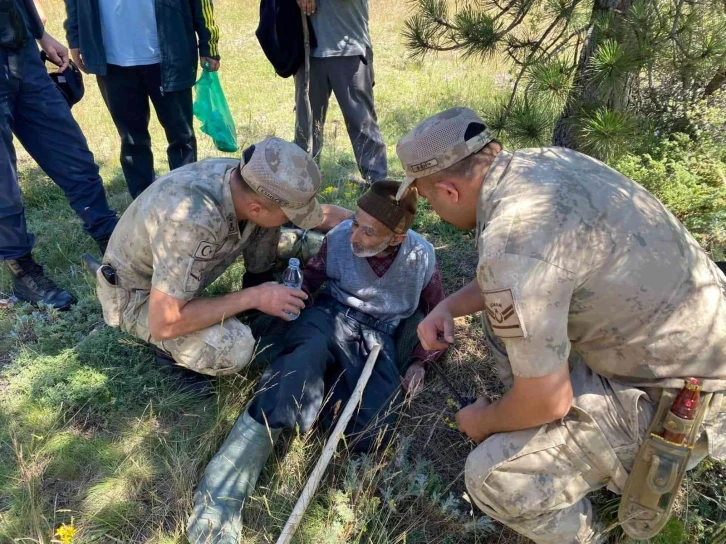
(480, 464)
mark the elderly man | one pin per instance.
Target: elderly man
(598, 303)
(183, 233)
(378, 273)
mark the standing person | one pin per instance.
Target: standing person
(141, 51)
(341, 63)
(598, 304)
(34, 110)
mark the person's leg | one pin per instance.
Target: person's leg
(536, 481)
(47, 130)
(175, 113)
(289, 394)
(218, 350)
(319, 98)
(374, 422)
(352, 82)
(292, 388)
(15, 240)
(124, 91)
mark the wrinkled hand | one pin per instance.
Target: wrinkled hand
(57, 52)
(413, 381)
(278, 300)
(307, 6)
(437, 330)
(209, 64)
(78, 59)
(470, 420)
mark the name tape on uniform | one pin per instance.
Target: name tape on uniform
(502, 314)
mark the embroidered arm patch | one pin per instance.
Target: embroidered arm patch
(501, 311)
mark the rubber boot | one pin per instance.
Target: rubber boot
(30, 284)
(228, 481)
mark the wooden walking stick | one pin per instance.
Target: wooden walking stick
(306, 83)
(317, 474)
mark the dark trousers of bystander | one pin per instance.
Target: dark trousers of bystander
(33, 109)
(314, 368)
(127, 91)
(351, 79)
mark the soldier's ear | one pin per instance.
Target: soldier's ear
(448, 190)
(254, 209)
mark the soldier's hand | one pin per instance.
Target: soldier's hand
(437, 330)
(470, 420)
(279, 300)
(307, 6)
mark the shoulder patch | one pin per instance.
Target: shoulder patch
(205, 251)
(501, 310)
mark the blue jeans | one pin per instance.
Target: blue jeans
(32, 108)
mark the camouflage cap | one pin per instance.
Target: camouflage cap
(286, 175)
(439, 142)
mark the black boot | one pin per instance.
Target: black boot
(188, 380)
(31, 285)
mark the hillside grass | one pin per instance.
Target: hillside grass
(93, 439)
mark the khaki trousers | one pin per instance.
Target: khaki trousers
(536, 481)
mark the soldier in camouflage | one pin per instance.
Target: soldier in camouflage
(185, 230)
(596, 300)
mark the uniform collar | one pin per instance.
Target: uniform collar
(490, 183)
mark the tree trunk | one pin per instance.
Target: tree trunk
(717, 81)
(584, 95)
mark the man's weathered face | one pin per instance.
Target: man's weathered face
(368, 236)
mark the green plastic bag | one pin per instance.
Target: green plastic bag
(210, 107)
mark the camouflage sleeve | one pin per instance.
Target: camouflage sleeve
(181, 254)
(259, 255)
(527, 303)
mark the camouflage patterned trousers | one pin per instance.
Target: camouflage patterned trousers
(536, 481)
(222, 349)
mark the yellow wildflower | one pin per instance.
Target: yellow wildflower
(66, 533)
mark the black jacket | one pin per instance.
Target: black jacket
(179, 24)
(280, 34)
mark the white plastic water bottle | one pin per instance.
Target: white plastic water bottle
(293, 277)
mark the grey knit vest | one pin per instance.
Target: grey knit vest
(391, 298)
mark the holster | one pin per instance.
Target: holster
(658, 471)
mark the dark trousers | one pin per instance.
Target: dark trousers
(314, 368)
(351, 79)
(126, 91)
(33, 109)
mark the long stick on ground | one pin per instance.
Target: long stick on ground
(317, 474)
(306, 85)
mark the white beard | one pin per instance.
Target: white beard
(373, 251)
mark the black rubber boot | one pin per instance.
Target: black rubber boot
(30, 284)
(187, 380)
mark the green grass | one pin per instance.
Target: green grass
(91, 434)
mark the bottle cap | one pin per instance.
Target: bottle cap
(693, 384)
(295, 263)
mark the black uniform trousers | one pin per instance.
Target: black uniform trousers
(314, 368)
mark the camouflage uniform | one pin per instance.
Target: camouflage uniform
(579, 264)
(182, 233)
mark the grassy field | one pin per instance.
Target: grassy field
(94, 441)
